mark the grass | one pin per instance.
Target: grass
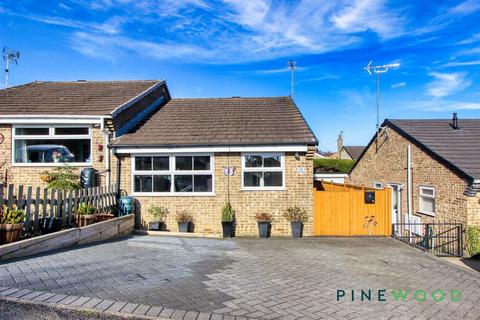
(334, 165)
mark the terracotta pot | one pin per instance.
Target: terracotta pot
(103, 217)
(84, 219)
(10, 232)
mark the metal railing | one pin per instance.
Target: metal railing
(439, 238)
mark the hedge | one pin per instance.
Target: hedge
(335, 165)
(473, 240)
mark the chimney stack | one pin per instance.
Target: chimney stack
(454, 123)
(340, 143)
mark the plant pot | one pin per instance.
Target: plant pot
(297, 229)
(183, 226)
(84, 219)
(228, 229)
(155, 226)
(264, 228)
(162, 226)
(10, 232)
(99, 217)
(49, 225)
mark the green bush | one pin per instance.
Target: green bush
(86, 209)
(227, 212)
(335, 165)
(158, 213)
(11, 215)
(473, 240)
(64, 178)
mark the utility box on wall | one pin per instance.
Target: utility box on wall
(369, 196)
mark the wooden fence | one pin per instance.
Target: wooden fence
(40, 203)
(341, 210)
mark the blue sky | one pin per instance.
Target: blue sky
(241, 48)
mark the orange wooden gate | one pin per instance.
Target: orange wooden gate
(340, 210)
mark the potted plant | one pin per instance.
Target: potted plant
(158, 215)
(85, 215)
(11, 224)
(184, 219)
(264, 224)
(228, 217)
(297, 216)
(57, 156)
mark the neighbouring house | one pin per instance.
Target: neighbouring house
(444, 165)
(75, 120)
(197, 154)
(347, 152)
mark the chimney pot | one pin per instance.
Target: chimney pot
(455, 122)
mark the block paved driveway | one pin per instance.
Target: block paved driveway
(254, 278)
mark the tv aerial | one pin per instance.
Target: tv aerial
(9, 56)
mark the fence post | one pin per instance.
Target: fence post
(460, 240)
(37, 209)
(10, 196)
(27, 209)
(427, 236)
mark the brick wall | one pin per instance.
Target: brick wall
(388, 165)
(30, 175)
(207, 209)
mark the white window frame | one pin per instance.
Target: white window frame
(51, 135)
(421, 195)
(377, 185)
(172, 171)
(264, 169)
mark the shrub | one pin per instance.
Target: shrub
(227, 212)
(64, 178)
(183, 217)
(86, 209)
(158, 213)
(335, 165)
(473, 240)
(263, 217)
(11, 215)
(295, 214)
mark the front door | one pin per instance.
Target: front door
(396, 202)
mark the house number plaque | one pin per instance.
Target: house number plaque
(229, 171)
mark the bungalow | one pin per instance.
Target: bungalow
(440, 161)
(184, 154)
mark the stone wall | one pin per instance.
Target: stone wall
(386, 162)
(207, 209)
(30, 175)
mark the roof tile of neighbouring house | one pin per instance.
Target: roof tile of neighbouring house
(83, 98)
(354, 151)
(458, 148)
(223, 121)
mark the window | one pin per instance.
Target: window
(262, 171)
(177, 174)
(378, 185)
(52, 144)
(427, 200)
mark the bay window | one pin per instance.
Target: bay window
(173, 174)
(263, 171)
(47, 145)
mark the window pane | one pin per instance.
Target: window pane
(272, 162)
(143, 184)
(272, 179)
(52, 150)
(253, 161)
(183, 183)
(143, 163)
(71, 131)
(161, 163)
(203, 183)
(32, 131)
(252, 179)
(427, 204)
(427, 192)
(162, 183)
(201, 163)
(183, 163)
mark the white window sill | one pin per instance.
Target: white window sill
(173, 194)
(52, 164)
(431, 214)
(264, 189)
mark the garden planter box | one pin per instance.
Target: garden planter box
(184, 227)
(264, 228)
(10, 232)
(297, 229)
(103, 217)
(84, 219)
(49, 225)
(228, 229)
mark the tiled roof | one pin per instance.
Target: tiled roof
(84, 98)
(223, 121)
(354, 151)
(460, 149)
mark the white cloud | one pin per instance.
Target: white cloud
(461, 63)
(398, 85)
(439, 105)
(466, 7)
(446, 84)
(474, 38)
(280, 70)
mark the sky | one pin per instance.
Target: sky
(230, 48)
